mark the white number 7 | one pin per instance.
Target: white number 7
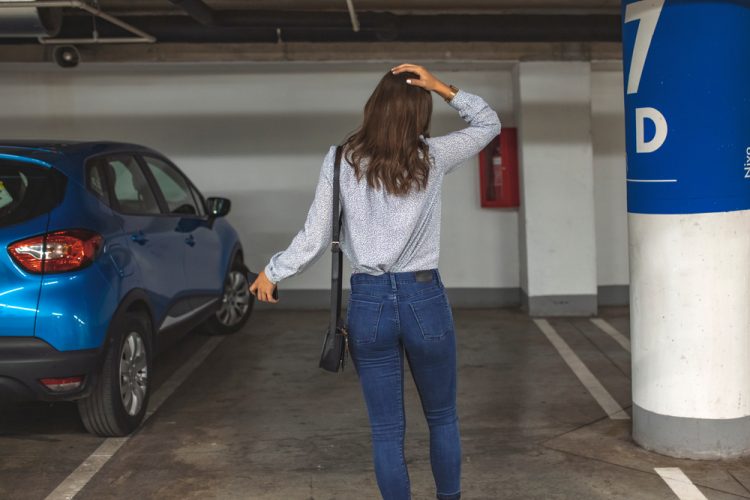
(647, 12)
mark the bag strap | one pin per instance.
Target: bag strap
(337, 259)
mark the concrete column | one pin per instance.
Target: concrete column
(687, 109)
(557, 236)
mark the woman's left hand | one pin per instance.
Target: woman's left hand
(426, 80)
(263, 288)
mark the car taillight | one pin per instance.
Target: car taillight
(56, 252)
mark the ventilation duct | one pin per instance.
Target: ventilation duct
(28, 20)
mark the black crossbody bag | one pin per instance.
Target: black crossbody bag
(335, 343)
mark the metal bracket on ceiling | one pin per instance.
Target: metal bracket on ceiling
(353, 15)
(138, 35)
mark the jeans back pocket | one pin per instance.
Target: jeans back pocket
(363, 318)
(433, 316)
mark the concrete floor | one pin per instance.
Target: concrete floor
(258, 420)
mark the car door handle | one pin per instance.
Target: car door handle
(190, 240)
(139, 238)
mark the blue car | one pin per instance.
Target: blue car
(106, 248)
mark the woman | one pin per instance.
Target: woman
(391, 177)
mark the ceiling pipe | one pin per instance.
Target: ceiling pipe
(353, 15)
(138, 35)
(22, 18)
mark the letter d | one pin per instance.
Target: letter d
(641, 114)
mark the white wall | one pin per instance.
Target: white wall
(610, 201)
(554, 113)
(258, 134)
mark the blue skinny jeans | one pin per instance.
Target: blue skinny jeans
(397, 315)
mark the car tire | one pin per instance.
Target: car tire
(236, 303)
(119, 398)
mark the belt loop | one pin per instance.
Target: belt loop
(393, 281)
(436, 276)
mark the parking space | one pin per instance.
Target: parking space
(257, 419)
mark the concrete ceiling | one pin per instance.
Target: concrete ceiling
(412, 6)
(238, 21)
(228, 30)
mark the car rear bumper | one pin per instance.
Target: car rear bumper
(25, 360)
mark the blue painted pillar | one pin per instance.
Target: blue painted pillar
(687, 108)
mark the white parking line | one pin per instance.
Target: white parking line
(680, 484)
(597, 390)
(612, 332)
(80, 477)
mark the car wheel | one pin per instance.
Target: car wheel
(118, 401)
(236, 303)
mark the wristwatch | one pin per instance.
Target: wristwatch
(454, 91)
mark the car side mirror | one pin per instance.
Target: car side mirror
(218, 207)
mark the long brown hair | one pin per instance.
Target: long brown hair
(396, 114)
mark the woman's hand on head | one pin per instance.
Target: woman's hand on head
(426, 80)
(263, 288)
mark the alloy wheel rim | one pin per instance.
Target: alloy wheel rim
(236, 299)
(133, 373)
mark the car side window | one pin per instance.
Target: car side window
(174, 187)
(27, 191)
(199, 202)
(96, 181)
(130, 187)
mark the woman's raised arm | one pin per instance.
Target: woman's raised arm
(453, 149)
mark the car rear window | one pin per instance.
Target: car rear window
(27, 191)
